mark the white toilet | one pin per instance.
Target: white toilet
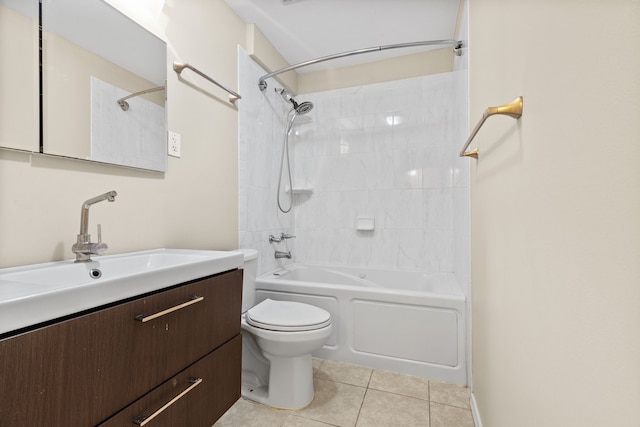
(278, 338)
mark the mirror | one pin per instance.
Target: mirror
(92, 56)
(19, 75)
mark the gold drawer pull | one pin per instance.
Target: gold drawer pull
(194, 299)
(142, 420)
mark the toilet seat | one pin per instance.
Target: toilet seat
(287, 316)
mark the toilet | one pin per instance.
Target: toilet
(278, 338)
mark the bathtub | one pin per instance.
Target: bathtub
(408, 322)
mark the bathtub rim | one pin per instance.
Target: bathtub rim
(272, 277)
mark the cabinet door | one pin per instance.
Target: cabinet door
(196, 397)
(81, 371)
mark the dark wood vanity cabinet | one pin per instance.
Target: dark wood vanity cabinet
(177, 349)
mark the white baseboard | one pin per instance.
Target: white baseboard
(475, 412)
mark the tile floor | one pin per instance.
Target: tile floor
(349, 395)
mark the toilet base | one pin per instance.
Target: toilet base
(290, 383)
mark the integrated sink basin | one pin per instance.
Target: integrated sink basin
(37, 293)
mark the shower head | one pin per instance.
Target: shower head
(303, 108)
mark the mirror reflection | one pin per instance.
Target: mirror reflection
(92, 57)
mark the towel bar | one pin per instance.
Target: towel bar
(513, 109)
(179, 66)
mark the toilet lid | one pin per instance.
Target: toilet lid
(287, 316)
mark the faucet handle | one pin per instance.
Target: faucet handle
(274, 239)
(99, 247)
(285, 236)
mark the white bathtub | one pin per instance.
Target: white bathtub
(400, 321)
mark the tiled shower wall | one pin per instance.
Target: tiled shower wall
(379, 151)
(383, 151)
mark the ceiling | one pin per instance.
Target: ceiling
(302, 30)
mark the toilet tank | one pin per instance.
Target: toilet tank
(250, 273)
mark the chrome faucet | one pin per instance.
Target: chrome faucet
(84, 248)
(281, 254)
(274, 239)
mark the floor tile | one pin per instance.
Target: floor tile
(400, 384)
(316, 363)
(295, 421)
(249, 414)
(382, 409)
(449, 394)
(450, 416)
(344, 373)
(334, 403)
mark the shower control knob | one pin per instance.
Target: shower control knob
(274, 239)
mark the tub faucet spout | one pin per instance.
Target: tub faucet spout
(281, 254)
(84, 247)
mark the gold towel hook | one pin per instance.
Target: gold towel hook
(512, 109)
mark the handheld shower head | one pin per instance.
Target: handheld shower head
(303, 108)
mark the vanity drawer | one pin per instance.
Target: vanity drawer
(80, 371)
(196, 397)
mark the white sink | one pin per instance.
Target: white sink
(37, 293)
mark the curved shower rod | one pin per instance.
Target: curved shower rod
(457, 45)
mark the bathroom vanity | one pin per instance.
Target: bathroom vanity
(169, 357)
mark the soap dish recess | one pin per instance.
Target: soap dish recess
(365, 223)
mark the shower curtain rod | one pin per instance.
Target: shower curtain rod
(457, 45)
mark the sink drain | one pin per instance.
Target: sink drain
(95, 273)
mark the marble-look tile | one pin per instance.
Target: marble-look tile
(449, 394)
(438, 208)
(394, 382)
(382, 409)
(344, 373)
(450, 416)
(249, 414)
(334, 403)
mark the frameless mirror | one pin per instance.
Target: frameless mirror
(93, 56)
(19, 75)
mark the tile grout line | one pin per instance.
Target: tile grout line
(366, 390)
(429, 390)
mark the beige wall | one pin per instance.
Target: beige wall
(18, 79)
(194, 204)
(262, 51)
(403, 67)
(556, 213)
